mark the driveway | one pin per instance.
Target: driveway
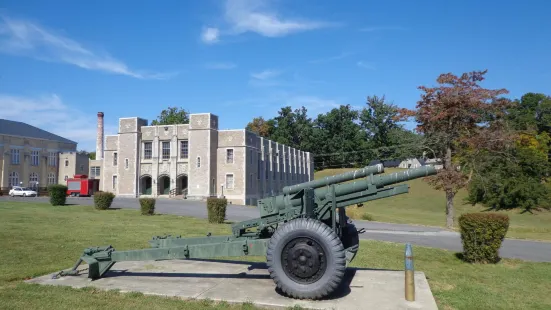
(416, 235)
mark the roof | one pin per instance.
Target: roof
(13, 128)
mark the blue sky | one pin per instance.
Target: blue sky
(63, 61)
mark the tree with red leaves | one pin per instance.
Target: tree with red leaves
(459, 118)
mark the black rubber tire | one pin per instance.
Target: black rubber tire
(334, 254)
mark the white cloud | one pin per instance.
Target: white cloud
(266, 74)
(210, 35)
(258, 16)
(332, 58)
(220, 65)
(48, 112)
(25, 38)
(365, 65)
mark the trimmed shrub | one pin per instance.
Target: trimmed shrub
(147, 206)
(103, 200)
(216, 208)
(482, 235)
(58, 194)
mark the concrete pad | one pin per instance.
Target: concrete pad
(238, 282)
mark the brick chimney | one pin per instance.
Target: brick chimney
(99, 138)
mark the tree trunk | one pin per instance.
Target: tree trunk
(449, 209)
(449, 191)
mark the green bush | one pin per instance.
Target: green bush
(482, 235)
(103, 200)
(216, 208)
(58, 194)
(147, 206)
(367, 217)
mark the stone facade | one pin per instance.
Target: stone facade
(37, 163)
(196, 160)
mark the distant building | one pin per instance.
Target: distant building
(436, 162)
(35, 158)
(195, 160)
(412, 163)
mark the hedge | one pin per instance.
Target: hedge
(103, 200)
(147, 206)
(58, 194)
(216, 208)
(482, 235)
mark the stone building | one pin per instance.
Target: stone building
(35, 158)
(195, 160)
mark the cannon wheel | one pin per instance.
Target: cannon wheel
(306, 259)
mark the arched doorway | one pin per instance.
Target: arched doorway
(181, 185)
(146, 185)
(163, 185)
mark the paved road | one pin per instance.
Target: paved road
(416, 235)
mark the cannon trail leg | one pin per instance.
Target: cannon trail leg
(306, 259)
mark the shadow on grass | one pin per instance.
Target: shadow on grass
(461, 257)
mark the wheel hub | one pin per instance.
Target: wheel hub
(304, 260)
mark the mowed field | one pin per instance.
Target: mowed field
(424, 205)
(39, 239)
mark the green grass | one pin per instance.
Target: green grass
(39, 239)
(424, 205)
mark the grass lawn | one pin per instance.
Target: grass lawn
(424, 205)
(39, 239)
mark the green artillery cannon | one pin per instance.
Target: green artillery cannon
(305, 234)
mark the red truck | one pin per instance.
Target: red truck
(81, 185)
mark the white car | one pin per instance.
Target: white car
(21, 191)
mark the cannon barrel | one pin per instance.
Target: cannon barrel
(379, 181)
(342, 190)
(338, 178)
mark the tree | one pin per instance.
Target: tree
(172, 116)
(261, 127)
(339, 134)
(462, 117)
(378, 119)
(91, 155)
(517, 181)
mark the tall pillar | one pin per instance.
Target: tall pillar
(99, 137)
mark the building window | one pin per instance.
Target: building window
(51, 178)
(66, 177)
(13, 179)
(266, 166)
(198, 162)
(114, 182)
(229, 181)
(251, 157)
(95, 171)
(14, 157)
(52, 159)
(258, 168)
(229, 156)
(251, 181)
(126, 163)
(166, 149)
(184, 149)
(147, 150)
(81, 168)
(66, 163)
(34, 158)
(33, 179)
(115, 158)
